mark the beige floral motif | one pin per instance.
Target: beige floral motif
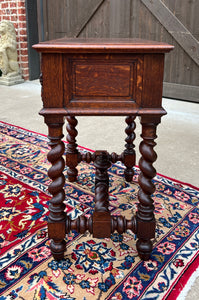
(12, 190)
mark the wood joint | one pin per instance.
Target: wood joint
(101, 224)
(145, 229)
(57, 230)
(72, 159)
(129, 159)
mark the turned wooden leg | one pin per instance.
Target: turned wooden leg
(57, 216)
(145, 215)
(72, 152)
(129, 152)
(101, 215)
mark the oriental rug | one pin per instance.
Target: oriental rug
(92, 268)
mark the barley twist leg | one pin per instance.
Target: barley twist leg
(129, 152)
(72, 152)
(145, 214)
(57, 216)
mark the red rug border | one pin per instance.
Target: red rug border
(167, 177)
(182, 281)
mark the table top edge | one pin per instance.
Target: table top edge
(71, 45)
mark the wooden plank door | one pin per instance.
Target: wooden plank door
(172, 21)
(181, 25)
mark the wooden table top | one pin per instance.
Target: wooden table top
(98, 45)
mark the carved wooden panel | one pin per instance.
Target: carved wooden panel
(103, 80)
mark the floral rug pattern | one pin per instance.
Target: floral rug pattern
(92, 268)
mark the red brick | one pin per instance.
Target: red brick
(6, 18)
(22, 18)
(21, 11)
(8, 12)
(24, 65)
(13, 11)
(24, 52)
(22, 25)
(23, 32)
(23, 45)
(21, 3)
(12, 4)
(4, 5)
(23, 38)
(24, 58)
(25, 72)
(13, 18)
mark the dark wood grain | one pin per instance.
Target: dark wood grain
(102, 79)
(152, 80)
(52, 83)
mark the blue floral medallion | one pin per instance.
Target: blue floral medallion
(93, 257)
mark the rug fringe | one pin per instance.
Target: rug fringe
(189, 285)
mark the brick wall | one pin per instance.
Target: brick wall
(14, 11)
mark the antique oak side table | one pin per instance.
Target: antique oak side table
(99, 77)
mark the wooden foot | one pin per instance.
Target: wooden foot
(72, 152)
(145, 215)
(57, 216)
(129, 152)
(144, 248)
(58, 249)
